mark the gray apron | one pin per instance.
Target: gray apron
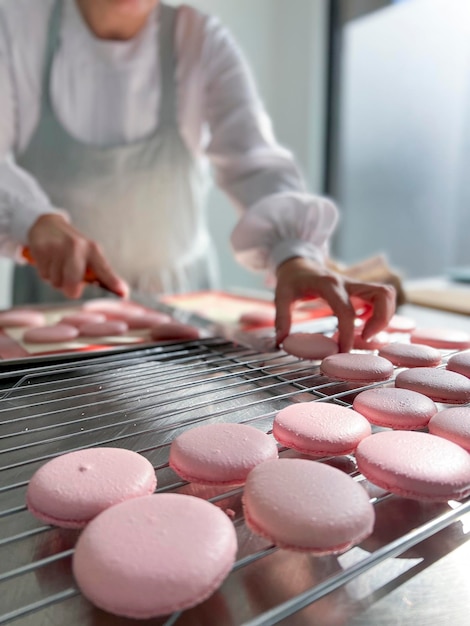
(143, 202)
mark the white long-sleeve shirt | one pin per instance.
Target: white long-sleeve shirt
(107, 92)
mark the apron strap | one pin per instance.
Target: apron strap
(51, 47)
(169, 100)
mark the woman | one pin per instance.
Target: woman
(110, 111)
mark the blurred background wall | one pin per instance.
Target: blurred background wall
(400, 171)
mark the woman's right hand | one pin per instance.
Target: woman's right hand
(62, 255)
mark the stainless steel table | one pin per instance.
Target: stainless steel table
(412, 570)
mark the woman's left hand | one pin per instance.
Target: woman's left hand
(300, 278)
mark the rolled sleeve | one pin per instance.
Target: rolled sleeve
(281, 227)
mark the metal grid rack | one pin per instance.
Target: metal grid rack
(140, 399)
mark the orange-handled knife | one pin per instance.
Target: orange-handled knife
(89, 277)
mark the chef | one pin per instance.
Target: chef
(111, 112)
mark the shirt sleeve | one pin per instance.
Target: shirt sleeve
(22, 201)
(278, 218)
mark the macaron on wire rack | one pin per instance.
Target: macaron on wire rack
(141, 399)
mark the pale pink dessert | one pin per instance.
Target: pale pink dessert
(460, 363)
(411, 355)
(400, 324)
(147, 320)
(109, 328)
(73, 488)
(415, 465)
(307, 506)
(453, 424)
(174, 330)
(313, 346)
(21, 317)
(111, 306)
(57, 333)
(220, 454)
(443, 338)
(395, 408)
(438, 384)
(356, 367)
(320, 429)
(374, 343)
(83, 317)
(155, 555)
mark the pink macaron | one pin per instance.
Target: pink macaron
(109, 328)
(415, 465)
(320, 428)
(174, 331)
(73, 488)
(313, 346)
(307, 506)
(155, 555)
(453, 424)
(147, 320)
(58, 333)
(21, 317)
(356, 367)
(443, 338)
(460, 363)
(82, 317)
(220, 454)
(390, 407)
(438, 384)
(411, 355)
(400, 324)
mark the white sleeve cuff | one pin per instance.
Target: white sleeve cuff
(283, 226)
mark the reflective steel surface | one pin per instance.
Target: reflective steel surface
(412, 570)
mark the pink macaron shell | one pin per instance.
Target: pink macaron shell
(400, 324)
(147, 320)
(356, 367)
(411, 355)
(460, 363)
(82, 317)
(395, 408)
(442, 338)
(73, 488)
(313, 346)
(453, 424)
(174, 331)
(415, 465)
(109, 328)
(21, 317)
(112, 306)
(307, 506)
(320, 429)
(57, 333)
(220, 454)
(374, 343)
(439, 384)
(155, 555)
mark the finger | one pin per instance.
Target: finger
(283, 300)
(338, 299)
(56, 272)
(383, 301)
(105, 275)
(74, 269)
